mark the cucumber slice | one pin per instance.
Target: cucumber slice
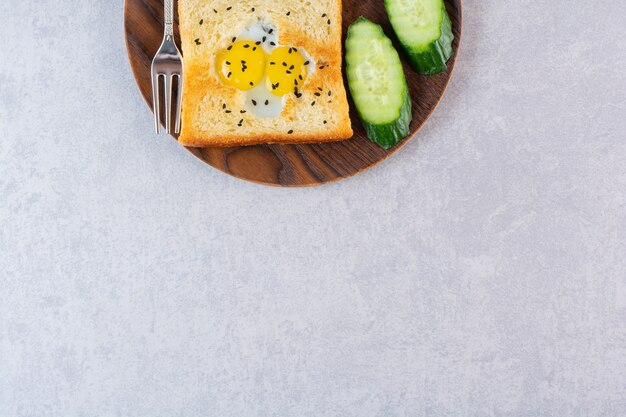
(425, 32)
(377, 84)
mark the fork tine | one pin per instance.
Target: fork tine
(168, 103)
(155, 102)
(179, 95)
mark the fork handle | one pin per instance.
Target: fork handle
(169, 17)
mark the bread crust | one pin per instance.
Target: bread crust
(204, 122)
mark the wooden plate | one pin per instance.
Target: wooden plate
(294, 165)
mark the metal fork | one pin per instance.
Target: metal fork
(167, 63)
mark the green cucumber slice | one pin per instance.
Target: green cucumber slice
(377, 83)
(425, 32)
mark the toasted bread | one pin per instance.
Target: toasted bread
(318, 114)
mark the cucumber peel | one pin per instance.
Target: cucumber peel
(388, 135)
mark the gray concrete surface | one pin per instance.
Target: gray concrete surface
(479, 272)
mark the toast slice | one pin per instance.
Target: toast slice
(214, 113)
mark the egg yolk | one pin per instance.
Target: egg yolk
(241, 65)
(286, 70)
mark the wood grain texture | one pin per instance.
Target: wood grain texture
(295, 165)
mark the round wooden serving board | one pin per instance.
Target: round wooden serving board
(294, 165)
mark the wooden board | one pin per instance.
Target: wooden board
(294, 165)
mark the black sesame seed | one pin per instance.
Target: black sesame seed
(227, 111)
(313, 104)
(290, 50)
(317, 94)
(325, 121)
(242, 111)
(306, 62)
(324, 15)
(197, 41)
(330, 93)
(229, 7)
(254, 49)
(257, 43)
(251, 83)
(253, 9)
(273, 43)
(267, 102)
(295, 82)
(295, 49)
(227, 62)
(288, 72)
(240, 122)
(291, 67)
(215, 10)
(254, 102)
(264, 38)
(224, 105)
(270, 31)
(201, 21)
(229, 48)
(229, 74)
(246, 45)
(300, 77)
(288, 13)
(272, 63)
(284, 64)
(234, 39)
(290, 132)
(320, 88)
(328, 21)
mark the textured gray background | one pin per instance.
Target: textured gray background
(481, 271)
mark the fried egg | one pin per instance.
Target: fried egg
(263, 70)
